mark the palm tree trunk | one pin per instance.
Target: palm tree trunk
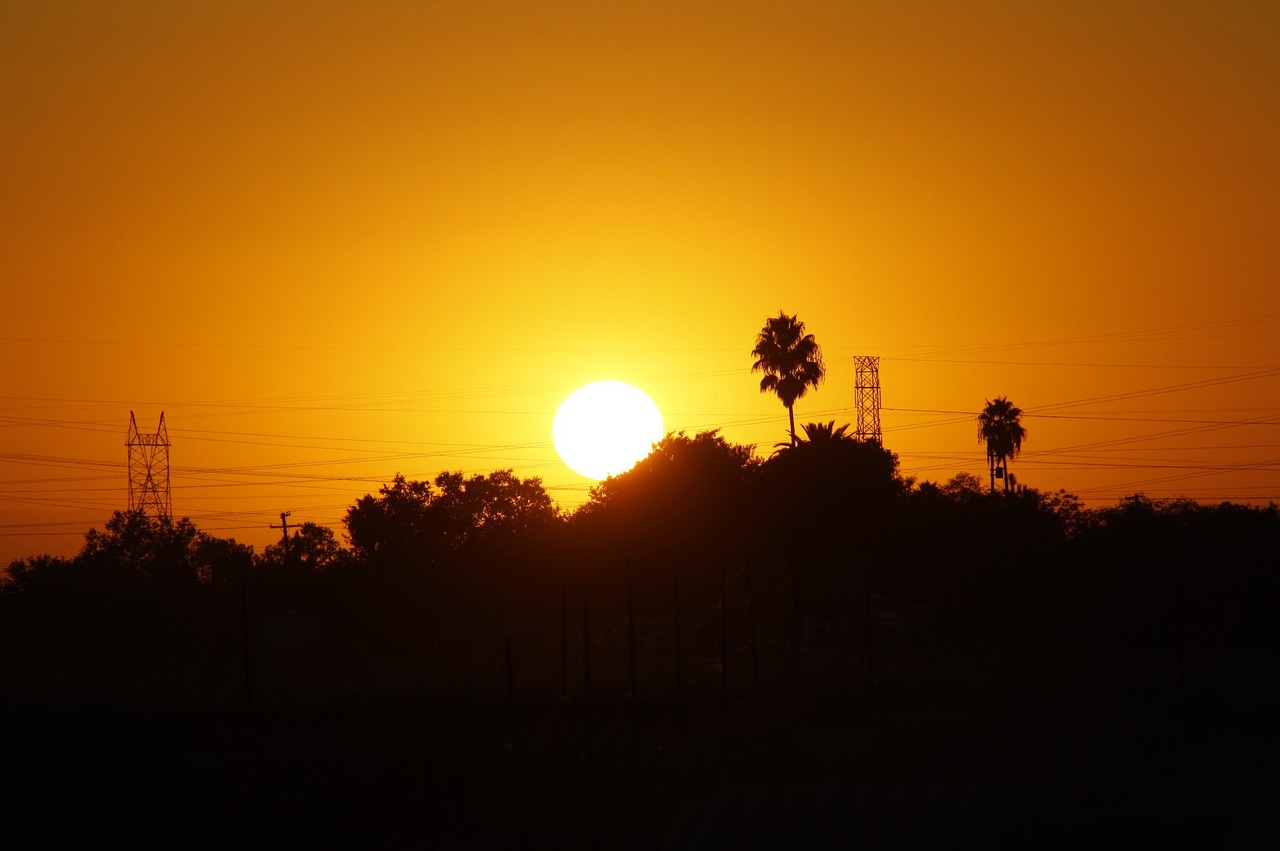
(791, 415)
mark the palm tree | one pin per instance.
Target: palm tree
(1000, 427)
(818, 434)
(825, 432)
(791, 361)
(828, 476)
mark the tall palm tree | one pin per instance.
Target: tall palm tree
(1000, 427)
(791, 361)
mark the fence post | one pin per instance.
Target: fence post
(244, 640)
(631, 636)
(633, 692)
(871, 635)
(509, 657)
(564, 640)
(797, 623)
(751, 627)
(724, 646)
(516, 754)
(588, 779)
(675, 605)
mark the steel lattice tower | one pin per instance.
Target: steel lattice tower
(149, 470)
(867, 397)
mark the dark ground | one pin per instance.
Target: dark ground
(890, 766)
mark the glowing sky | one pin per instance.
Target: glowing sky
(334, 241)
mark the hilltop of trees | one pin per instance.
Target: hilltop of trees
(822, 524)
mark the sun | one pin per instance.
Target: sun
(604, 428)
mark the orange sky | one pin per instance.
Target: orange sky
(334, 242)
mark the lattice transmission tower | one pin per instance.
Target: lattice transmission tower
(867, 397)
(149, 470)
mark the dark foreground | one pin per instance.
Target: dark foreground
(888, 767)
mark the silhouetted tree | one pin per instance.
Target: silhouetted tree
(1070, 511)
(171, 556)
(414, 523)
(152, 548)
(689, 493)
(393, 529)
(220, 561)
(821, 434)
(312, 547)
(831, 457)
(142, 590)
(56, 611)
(34, 575)
(829, 484)
(494, 509)
(791, 361)
(1000, 428)
(962, 486)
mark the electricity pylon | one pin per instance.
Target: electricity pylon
(149, 470)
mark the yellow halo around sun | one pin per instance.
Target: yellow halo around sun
(604, 428)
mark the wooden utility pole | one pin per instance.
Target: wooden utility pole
(284, 527)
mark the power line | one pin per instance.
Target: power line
(269, 481)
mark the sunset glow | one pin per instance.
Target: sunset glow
(626, 423)
(333, 244)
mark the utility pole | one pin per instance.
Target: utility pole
(284, 531)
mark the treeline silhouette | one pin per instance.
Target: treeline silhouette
(703, 595)
(1019, 585)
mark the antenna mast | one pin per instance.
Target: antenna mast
(867, 397)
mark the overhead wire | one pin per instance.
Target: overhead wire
(305, 473)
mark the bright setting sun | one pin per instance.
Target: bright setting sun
(604, 428)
